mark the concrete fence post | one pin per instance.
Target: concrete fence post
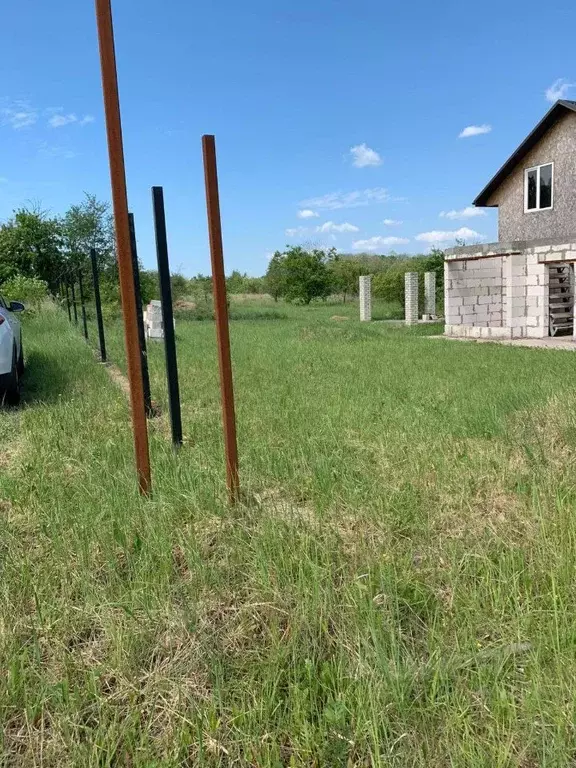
(429, 295)
(411, 297)
(365, 285)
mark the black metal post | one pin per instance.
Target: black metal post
(83, 305)
(98, 303)
(167, 315)
(68, 300)
(140, 318)
(74, 300)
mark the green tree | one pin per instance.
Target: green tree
(87, 225)
(306, 275)
(275, 278)
(344, 272)
(31, 246)
(236, 282)
(180, 286)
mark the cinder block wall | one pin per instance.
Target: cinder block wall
(474, 294)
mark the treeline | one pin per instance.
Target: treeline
(37, 250)
(302, 274)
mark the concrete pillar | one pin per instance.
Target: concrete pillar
(429, 295)
(411, 297)
(365, 285)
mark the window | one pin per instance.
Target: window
(538, 187)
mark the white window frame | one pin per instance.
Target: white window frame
(526, 172)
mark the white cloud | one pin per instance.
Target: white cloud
(392, 222)
(378, 242)
(474, 130)
(558, 90)
(306, 213)
(469, 212)
(296, 231)
(336, 200)
(438, 236)
(59, 120)
(329, 226)
(363, 156)
(18, 115)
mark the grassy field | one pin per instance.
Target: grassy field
(398, 587)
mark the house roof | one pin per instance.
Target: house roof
(550, 118)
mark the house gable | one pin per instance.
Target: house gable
(560, 109)
(557, 146)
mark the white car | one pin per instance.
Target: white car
(11, 352)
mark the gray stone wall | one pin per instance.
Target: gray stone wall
(503, 294)
(557, 146)
(474, 294)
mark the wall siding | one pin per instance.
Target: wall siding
(557, 146)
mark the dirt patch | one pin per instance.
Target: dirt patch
(339, 318)
(184, 304)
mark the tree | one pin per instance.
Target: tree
(345, 271)
(302, 273)
(87, 225)
(31, 246)
(275, 278)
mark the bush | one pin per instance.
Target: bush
(29, 290)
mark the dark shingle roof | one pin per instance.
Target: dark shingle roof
(551, 117)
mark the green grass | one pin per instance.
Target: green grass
(397, 588)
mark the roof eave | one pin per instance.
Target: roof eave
(549, 119)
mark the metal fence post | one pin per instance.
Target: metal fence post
(221, 311)
(167, 315)
(83, 305)
(122, 235)
(140, 318)
(74, 300)
(98, 303)
(68, 300)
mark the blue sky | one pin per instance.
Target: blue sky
(350, 111)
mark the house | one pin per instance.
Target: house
(523, 285)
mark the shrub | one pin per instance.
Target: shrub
(29, 290)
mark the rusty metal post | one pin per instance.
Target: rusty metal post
(122, 230)
(221, 312)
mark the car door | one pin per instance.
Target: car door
(13, 322)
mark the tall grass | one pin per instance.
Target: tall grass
(396, 588)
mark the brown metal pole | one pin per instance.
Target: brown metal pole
(120, 203)
(221, 311)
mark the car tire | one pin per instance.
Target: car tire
(20, 363)
(12, 394)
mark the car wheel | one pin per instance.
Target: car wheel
(21, 361)
(12, 396)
